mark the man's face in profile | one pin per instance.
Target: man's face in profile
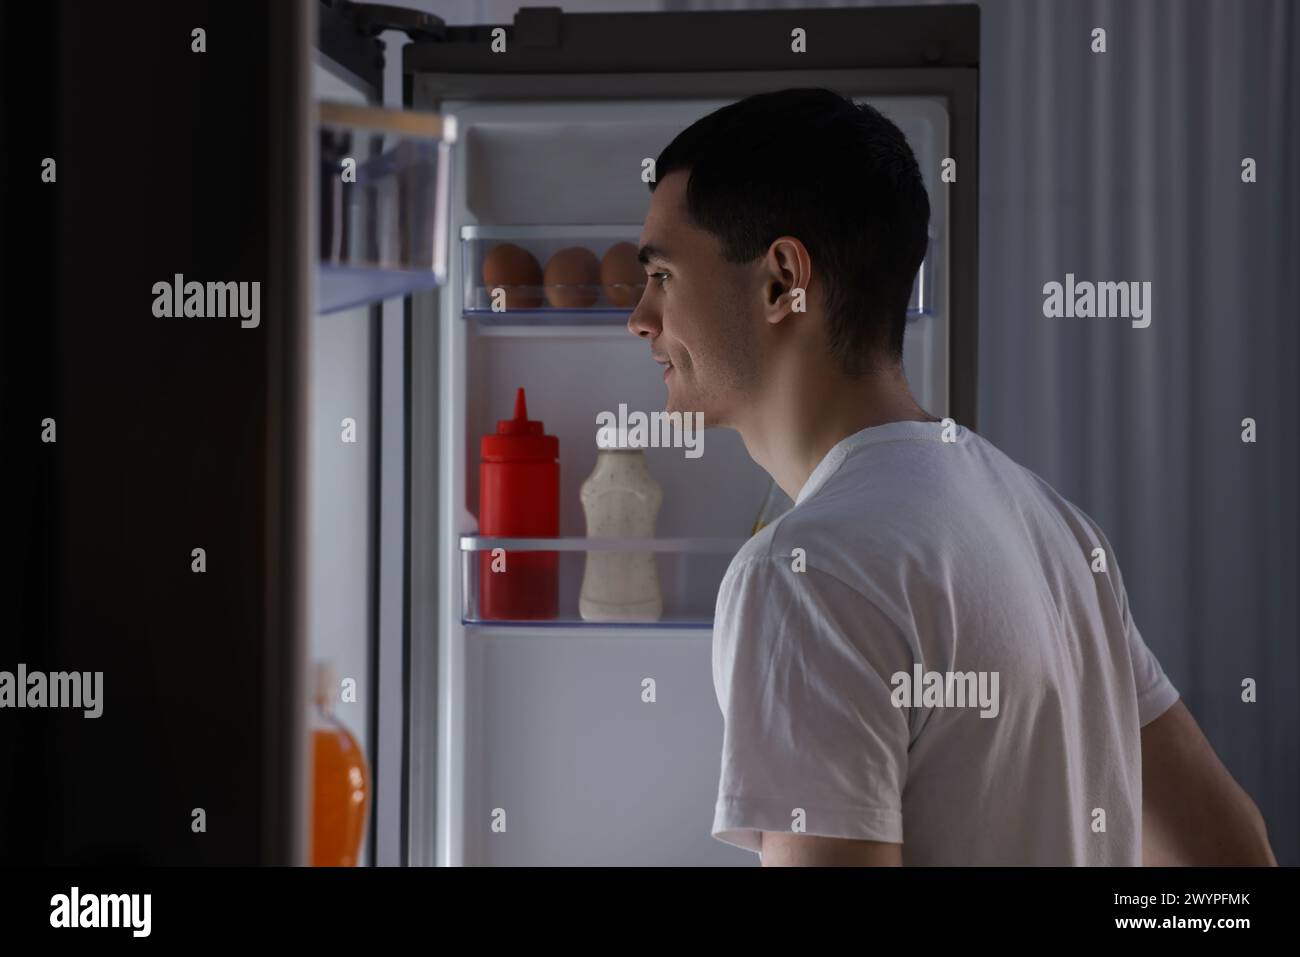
(700, 314)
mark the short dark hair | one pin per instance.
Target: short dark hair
(839, 176)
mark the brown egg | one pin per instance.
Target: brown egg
(517, 271)
(621, 276)
(572, 278)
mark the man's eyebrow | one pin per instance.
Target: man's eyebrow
(648, 252)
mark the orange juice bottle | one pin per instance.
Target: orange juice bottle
(341, 782)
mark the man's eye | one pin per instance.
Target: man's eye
(659, 277)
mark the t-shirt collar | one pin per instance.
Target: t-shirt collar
(846, 446)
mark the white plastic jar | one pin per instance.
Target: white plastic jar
(620, 499)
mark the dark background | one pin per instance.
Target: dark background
(164, 438)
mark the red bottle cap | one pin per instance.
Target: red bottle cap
(520, 438)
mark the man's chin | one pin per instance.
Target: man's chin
(674, 403)
(688, 409)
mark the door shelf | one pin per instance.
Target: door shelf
(383, 203)
(518, 274)
(340, 287)
(536, 582)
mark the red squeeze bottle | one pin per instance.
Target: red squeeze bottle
(519, 496)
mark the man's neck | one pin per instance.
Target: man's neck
(801, 417)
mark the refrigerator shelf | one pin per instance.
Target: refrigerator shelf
(601, 313)
(712, 546)
(521, 274)
(574, 623)
(346, 287)
(530, 233)
(509, 326)
(536, 582)
(383, 203)
(518, 294)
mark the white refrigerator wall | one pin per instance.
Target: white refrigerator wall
(548, 725)
(339, 486)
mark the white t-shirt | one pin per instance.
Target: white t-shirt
(928, 556)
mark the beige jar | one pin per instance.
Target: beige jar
(621, 499)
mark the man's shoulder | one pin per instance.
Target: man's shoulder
(808, 542)
(872, 516)
(759, 549)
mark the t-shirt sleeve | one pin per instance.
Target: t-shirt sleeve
(801, 667)
(1155, 692)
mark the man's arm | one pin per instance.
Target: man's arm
(1193, 812)
(787, 849)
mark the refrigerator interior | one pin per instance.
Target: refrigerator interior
(545, 727)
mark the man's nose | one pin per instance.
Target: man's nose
(644, 320)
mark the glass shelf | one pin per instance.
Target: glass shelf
(517, 274)
(346, 287)
(384, 233)
(519, 295)
(537, 581)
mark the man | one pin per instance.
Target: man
(925, 661)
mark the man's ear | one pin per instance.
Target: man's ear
(789, 268)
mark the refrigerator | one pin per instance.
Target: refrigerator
(496, 742)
